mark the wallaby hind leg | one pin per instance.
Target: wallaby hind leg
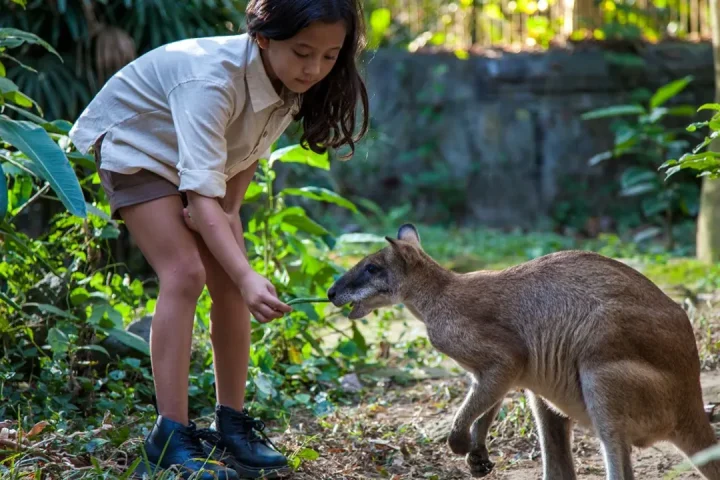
(695, 437)
(478, 460)
(607, 418)
(555, 432)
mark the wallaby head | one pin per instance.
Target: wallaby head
(377, 280)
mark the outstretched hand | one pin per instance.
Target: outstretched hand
(261, 298)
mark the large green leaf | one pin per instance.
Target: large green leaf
(12, 38)
(297, 154)
(297, 219)
(3, 194)
(7, 86)
(58, 340)
(304, 224)
(636, 180)
(666, 92)
(34, 142)
(709, 106)
(254, 191)
(322, 195)
(131, 340)
(614, 111)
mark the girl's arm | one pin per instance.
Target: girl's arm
(211, 222)
(201, 110)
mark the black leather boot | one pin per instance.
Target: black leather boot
(171, 444)
(241, 444)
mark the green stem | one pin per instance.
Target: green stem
(308, 300)
(266, 227)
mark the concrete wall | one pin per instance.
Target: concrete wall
(501, 139)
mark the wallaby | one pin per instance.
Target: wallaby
(587, 337)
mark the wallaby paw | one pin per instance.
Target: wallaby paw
(480, 465)
(459, 442)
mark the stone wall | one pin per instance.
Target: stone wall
(500, 139)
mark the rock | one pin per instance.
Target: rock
(351, 383)
(51, 290)
(141, 327)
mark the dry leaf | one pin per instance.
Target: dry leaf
(37, 429)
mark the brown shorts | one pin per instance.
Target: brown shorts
(125, 190)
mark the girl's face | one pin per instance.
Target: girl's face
(305, 59)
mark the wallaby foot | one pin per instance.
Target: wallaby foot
(478, 460)
(485, 391)
(555, 433)
(479, 463)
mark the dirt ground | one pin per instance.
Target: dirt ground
(401, 435)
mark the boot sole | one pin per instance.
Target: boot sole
(154, 469)
(245, 471)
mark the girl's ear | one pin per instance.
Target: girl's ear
(262, 41)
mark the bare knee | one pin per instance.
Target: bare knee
(184, 277)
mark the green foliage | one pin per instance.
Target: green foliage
(92, 40)
(703, 160)
(29, 145)
(643, 141)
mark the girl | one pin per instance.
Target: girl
(184, 126)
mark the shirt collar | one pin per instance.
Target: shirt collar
(262, 92)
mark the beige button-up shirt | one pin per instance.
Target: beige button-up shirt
(195, 112)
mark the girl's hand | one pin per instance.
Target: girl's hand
(261, 298)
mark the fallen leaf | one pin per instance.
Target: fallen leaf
(37, 429)
(385, 443)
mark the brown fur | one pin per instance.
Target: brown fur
(588, 338)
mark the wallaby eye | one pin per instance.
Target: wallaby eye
(372, 269)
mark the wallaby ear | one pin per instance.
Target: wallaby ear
(407, 252)
(409, 233)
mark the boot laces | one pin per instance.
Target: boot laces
(254, 427)
(191, 441)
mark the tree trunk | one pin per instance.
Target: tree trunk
(708, 226)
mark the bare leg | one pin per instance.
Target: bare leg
(230, 333)
(478, 460)
(555, 432)
(170, 248)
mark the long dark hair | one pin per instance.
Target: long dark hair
(328, 111)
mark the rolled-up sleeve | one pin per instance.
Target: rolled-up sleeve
(201, 111)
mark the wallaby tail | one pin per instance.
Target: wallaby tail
(696, 437)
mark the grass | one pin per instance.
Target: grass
(382, 432)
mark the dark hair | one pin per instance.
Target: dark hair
(328, 109)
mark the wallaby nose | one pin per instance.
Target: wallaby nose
(331, 293)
